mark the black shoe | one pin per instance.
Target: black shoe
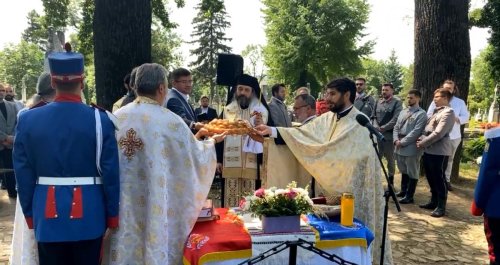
(406, 200)
(440, 209)
(412, 186)
(438, 212)
(448, 186)
(404, 185)
(430, 205)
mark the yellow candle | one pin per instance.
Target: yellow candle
(347, 209)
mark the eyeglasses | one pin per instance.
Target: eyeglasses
(297, 108)
(184, 81)
(359, 84)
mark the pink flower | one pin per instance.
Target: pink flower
(242, 203)
(260, 193)
(291, 194)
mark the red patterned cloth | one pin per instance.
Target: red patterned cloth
(208, 240)
(322, 107)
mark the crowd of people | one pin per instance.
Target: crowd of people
(126, 188)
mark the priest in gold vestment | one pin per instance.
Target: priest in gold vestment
(239, 156)
(338, 153)
(165, 176)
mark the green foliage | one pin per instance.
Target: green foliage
(488, 17)
(393, 72)
(209, 35)
(482, 85)
(164, 47)
(85, 31)
(407, 80)
(373, 72)
(312, 41)
(255, 56)
(36, 32)
(56, 13)
(21, 63)
(473, 149)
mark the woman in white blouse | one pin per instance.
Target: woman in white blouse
(461, 117)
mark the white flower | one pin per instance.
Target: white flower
(280, 191)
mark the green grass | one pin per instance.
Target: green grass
(469, 170)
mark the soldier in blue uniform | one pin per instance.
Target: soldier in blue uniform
(487, 193)
(66, 164)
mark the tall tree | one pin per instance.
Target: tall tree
(36, 32)
(255, 61)
(393, 72)
(482, 87)
(487, 17)
(164, 49)
(312, 41)
(442, 50)
(209, 35)
(407, 79)
(20, 66)
(373, 72)
(122, 40)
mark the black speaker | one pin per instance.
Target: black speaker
(229, 67)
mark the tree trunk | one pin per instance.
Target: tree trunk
(122, 40)
(442, 50)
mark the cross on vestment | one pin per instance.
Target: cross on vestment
(130, 143)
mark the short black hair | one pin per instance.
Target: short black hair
(178, 73)
(276, 88)
(389, 85)
(415, 92)
(202, 97)
(344, 85)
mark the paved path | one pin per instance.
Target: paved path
(416, 237)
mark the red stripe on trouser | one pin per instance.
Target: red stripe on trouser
(76, 206)
(492, 232)
(50, 203)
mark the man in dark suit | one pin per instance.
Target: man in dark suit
(204, 113)
(177, 98)
(8, 119)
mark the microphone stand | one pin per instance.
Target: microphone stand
(387, 193)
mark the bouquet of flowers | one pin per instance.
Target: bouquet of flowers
(275, 202)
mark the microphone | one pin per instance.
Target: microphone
(363, 121)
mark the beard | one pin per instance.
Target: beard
(243, 101)
(9, 98)
(337, 107)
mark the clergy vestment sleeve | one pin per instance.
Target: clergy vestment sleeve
(25, 174)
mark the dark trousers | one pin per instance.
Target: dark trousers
(492, 232)
(8, 178)
(85, 252)
(435, 166)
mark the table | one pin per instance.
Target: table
(351, 244)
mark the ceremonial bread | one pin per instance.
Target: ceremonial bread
(231, 127)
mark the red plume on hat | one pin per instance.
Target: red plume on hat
(67, 47)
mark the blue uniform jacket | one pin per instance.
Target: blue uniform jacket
(487, 192)
(59, 140)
